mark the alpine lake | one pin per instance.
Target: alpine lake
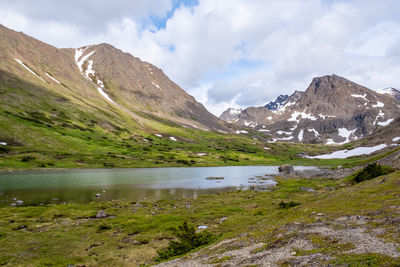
(95, 185)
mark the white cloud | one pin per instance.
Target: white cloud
(239, 53)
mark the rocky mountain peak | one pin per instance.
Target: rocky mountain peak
(279, 102)
(332, 110)
(231, 114)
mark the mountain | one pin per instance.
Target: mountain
(390, 91)
(231, 114)
(94, 105)
(278, 103)
(332, 110)
(104, 73)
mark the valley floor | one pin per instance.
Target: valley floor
(332, 222)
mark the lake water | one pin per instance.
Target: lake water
(81, 186)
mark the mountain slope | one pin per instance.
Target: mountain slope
(69, 108)
(333, 110)
(135, 85)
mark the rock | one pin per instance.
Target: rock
(383, 180)
(286, 168)
(101, 214)
(307, 189)
(223, 219)
(215, 178)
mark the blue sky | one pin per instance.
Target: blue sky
(227, 53)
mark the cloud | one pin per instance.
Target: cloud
(239, 53)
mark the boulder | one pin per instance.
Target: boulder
(286, 168)
(101, 214)
(307, 189)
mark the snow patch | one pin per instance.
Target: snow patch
(285, 138)
(396, 139)
(89, 69)
(79, 53)
(156, 85)
(380, 115)
(314, 131)
(269, 118)
(80, 62)
(387, 91)
(3, 143)
(263, 130)
(51, 77)
(343, 132)
(361, 96)
(267, 148)
(250, 124)
(201, 154)
(158, 135)
(342, 154)
(303, 115)
(385, 123)
(173, 138)
(300, 136)
(26, 67)
(283, 108)
(241, 132)
(378, 105)
(104, 95)
(330, 141)
(235, 111)
(283, 132)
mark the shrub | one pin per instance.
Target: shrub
(371, 171)
(103, 227)
(287, 205)
(188, 240)
(27, 158)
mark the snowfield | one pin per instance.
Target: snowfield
(342, 154)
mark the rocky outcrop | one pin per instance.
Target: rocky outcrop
(278, 103)
(286, 168)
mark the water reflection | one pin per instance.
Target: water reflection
(81, 186)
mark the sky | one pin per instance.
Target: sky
(230, 53)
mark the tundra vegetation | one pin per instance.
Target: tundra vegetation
(142, 233)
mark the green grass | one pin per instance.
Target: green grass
(69, 234)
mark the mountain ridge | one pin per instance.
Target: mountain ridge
(332, 110)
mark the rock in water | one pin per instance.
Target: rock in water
(286, 168)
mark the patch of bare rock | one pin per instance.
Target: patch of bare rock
(293, 246)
